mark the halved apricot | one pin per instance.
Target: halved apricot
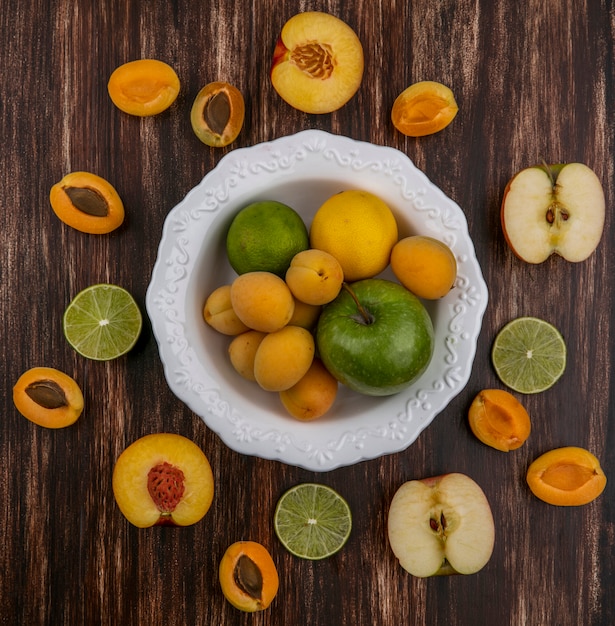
(87, 203)
(217, 114)
(248, 576)
(143, 87)
(48, 397)
(163, 479)
(568, 476)
(424, 108)
(499, 420)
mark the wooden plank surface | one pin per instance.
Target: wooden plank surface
(534, 80)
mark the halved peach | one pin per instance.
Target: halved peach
(163, 479)
(568, 476)
(317, 62)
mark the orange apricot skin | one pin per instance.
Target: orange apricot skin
(64, 208)
(499, 420)
(58, 417)
(568, 476)
(143, 87)
(313, 395)
(424, 108)
(237, 596)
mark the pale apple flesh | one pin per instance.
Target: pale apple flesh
(557, 209)
(441, 526)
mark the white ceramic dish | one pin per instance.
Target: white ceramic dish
(303, 170)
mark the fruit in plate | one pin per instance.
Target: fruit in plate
(313, 395)
(163, 479)
(359, 229)
(376, 337)
(264, 236)
(283, 358)
(218, 312)
(424, 108)
(499, 420)
(242, 352)
(217, 114)
(314, 276)
(262, 301)
(248, 576)
(48, 397)
(317, 62)
(424, 265)
(553, 209)
(568, 476)
(441, 525)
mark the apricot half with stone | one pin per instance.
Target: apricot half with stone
(248, 576)
(317, 62)
(163, 479)
(87, 203)
(48, 397)
(568, 476)
(217, 114)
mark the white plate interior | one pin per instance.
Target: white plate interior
(302, 171)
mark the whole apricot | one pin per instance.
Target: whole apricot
(305, 315)
(218, 312)
(262, 301)
(499, 420)
(425, 266)
(313, 395)
(163, 479)
(283, 357)
(314, 276)
(48, 397)
(242, 351)
(568, 476)
(248, 576)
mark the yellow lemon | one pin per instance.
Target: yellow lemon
(358, 229)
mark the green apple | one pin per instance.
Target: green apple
(376, 337)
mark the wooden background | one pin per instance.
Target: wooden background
(534, 80)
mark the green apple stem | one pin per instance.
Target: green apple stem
(366, 317)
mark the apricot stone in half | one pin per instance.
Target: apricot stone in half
(163, 479)
(248, 576)
(317, 62)
(48, 397)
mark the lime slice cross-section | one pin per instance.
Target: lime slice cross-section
(102, 322)
(312, 521)
(529, 355)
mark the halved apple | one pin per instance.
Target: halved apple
(317, 62)
(441, 525)
(553, 209)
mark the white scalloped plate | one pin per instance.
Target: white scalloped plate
(302, 171)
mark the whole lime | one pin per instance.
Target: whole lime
(264, 236)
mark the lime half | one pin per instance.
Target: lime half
(529, 355)
(102, 322)
(312, 521)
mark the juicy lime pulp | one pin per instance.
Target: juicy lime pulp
(312, 521)
(102, 322)
(529, 355)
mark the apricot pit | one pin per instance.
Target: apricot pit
(568, 476)
(48, 397)
(87, 203)
(217, 114)
(248, 576)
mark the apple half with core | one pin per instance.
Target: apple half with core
(553, 209)
(441, 525)
(376, 337)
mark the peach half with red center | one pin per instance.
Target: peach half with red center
(163, 479)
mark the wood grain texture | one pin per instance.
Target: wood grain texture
(534, 80)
